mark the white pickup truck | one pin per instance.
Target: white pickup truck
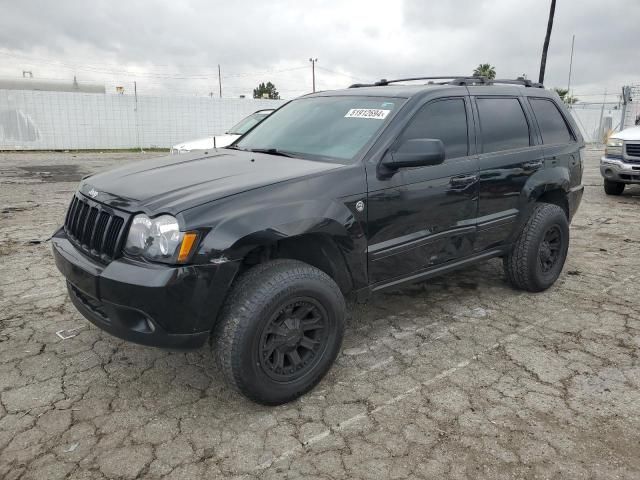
(620, 164)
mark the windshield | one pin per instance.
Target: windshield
(244, 125)
(332, 128)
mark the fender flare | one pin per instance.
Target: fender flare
(233, 237)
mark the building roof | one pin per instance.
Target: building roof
(50, 85)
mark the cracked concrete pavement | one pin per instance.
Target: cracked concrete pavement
(460, 377)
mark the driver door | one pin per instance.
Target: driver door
(421, 217)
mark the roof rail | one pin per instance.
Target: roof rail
(519, 81)
(454, 80)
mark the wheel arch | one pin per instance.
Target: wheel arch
(556, 196)
(551, 185)
(318, 249)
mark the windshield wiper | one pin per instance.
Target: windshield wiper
(272, 151)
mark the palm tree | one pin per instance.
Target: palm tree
(485, 70)
(545, 47)
(563, 93)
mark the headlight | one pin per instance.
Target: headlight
(614, 148)
(159, 239)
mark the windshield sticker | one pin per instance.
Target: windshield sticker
(375, 113)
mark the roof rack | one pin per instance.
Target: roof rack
(519, 81)
(460, 80)
(384, 81)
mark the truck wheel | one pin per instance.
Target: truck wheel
(539, 253)
(613, 188)
(280, 331)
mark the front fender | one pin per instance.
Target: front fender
(234, 237)
(324, 205)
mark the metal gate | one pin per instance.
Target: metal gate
(631, 106)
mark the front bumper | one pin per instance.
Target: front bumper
(618, 170)
(150, 304)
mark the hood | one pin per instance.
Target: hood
(632, 133)
(174, 183)
(205, 143)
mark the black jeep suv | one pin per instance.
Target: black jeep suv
(355, 191)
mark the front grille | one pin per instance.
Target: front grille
(95, 229)
(633, 149)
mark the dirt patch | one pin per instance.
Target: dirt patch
(55, 173)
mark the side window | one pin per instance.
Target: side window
(503, 124)
(445, 120)
(552, 125)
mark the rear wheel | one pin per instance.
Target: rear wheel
(280, 331)
(613, 188)
(539, 253)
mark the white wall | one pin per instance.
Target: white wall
(36, 120)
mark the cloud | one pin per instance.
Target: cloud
(176, 46)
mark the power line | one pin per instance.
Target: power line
(340, 73)
(147, 73)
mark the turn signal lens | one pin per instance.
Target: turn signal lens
(188, 243)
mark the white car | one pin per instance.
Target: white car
(621, 162)
(218, 141)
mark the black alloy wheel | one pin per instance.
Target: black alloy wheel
(550, 248)
(294, 340)
(280, 330)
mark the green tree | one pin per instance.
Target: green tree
(485, 70)
(563, 93)
(267, 90)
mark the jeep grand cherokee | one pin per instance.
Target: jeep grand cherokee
(354, 191)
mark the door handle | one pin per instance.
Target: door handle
(534, 165)
(463, 180)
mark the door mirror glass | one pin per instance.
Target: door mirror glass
(415, 152)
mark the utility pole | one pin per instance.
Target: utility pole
(545, 48)
(573, 40)
(313, 72)
(135, 109)
(219, 81)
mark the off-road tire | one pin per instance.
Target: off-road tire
(523, 266)
(251, 310)
(613, 188)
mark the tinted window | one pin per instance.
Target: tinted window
(445, 120)
(503, 124)
(552, 125)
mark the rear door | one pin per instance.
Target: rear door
(508, 157)
(424, 216)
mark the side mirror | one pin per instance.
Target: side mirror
(416, 152)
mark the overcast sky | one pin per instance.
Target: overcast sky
(177, 45)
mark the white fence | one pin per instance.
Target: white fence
(37, 120)
(596, 122)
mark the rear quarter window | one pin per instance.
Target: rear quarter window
(553, 126)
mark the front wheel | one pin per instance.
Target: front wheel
(280, 331)
(613, 188)
(539, 253)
